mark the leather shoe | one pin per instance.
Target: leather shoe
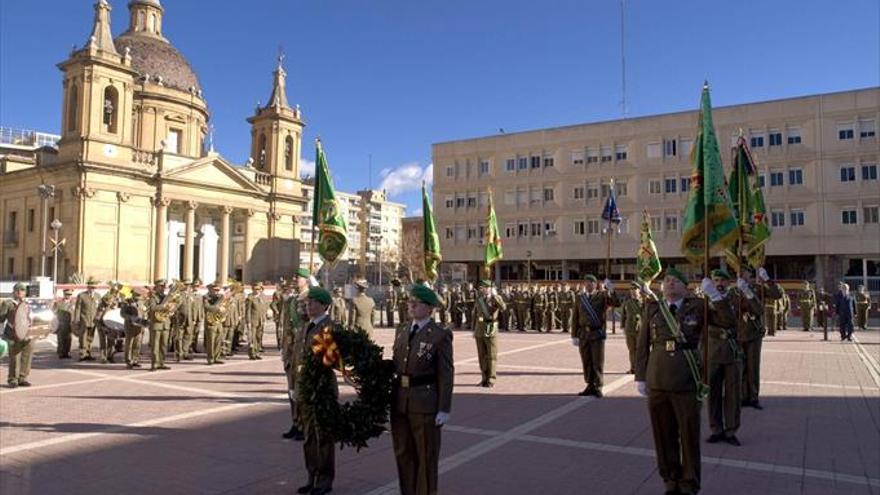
(291, 433)
(321, 491)
(598, 393)
(732, 440)
(715, 438)
(757, 405)
(305, 489)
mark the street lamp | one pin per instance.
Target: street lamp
(46, 191)
(56, 245)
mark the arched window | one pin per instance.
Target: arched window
(152, 23)
(140, 20)
(111, 109)
(261, 153)
(72, 108)
(288, 153)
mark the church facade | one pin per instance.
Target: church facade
(138, 193)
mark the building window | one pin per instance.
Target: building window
(522, 229)
(794, 135)
(30, 267)
(775, 138)
(621, 188)
(762, 180)
(51, 215)
(869, 172)
(31, 219)
(459, 201)
(510, 165)
(580, 227)
(592, 155)
(72, 108)
(548, 161)
(684, 146)
(523, 163)
(606, 154)
(671, 223)
(847, 174)
(579, 192)
(654, 187)
(776, 178)
(536, 162)
(670, 185)
(450, 233)
(756, 141)
(288, 153)
(471, 233)
(592, 226)
(845, 131)
(866, 129)
(797, 218)
(110, 111)
(871, 214)
(685, 184)
(848, 216)
(605, 189)
(592, 191)
(669, 148)
(620, 152)
(450, 172)
(535, 229)
(510, 230)
(577, 157)
(795, 176)
(656, 224)
(777, 218)
(471, 201)
(484, 167)
(549, 229)
(653, 150)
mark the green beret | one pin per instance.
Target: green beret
(424, 294)
(485, 283)
(591, 278)
(321, 295)
(676, 273)
(720, 273)
(302, 272)
(19, 286)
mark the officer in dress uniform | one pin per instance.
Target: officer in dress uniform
(750, 334)
(589, 331)
(807, 304)
(667, 372)
(422, 393)
(630, 317)
(160, 325)
(293, 345)
(255, 315)
(487, 307)
(84, 313)
(215, 307)
(63, 309)
(339, 308)
(362, 308)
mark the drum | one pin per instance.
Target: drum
(113, 322)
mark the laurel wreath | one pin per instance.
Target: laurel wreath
(359, 359)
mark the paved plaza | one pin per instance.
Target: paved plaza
(85, 428)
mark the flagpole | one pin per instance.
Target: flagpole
(739, 242)
(610, 233)
(705, 337)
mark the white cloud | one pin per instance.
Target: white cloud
(405, 178)
(418, 212)
(306, 167)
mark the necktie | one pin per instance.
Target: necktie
(673, 309)
(413, 330)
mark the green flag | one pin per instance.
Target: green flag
(493, 237)
(647, 260)
(709, 212)
(326, 215)
(431, 238)
(760, 230)
(748, 204)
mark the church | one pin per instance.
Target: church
(135, 182)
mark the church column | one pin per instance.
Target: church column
(224, 243)
(161, 213)
(189, 240)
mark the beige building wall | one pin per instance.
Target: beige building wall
(549, 205)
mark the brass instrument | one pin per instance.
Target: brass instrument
(169, 303)
(217, 316)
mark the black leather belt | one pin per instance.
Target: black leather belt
(409, 381)
(674, 345)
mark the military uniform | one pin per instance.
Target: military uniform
(182, 325)
(255, 316)
(467, 302)
(631, 314)
(390, 305)
(63, 310)
(539, 302)
(292, 348)
(823, 303)
(239, 332)
(785, 310)
(750, 335)
(318, 447)
(672, 400)
(807, 304)
(402, 306)
(21, 351)
(443, 309)
(134, 311)
(566, 309)
(160, 326)
(275, 306)
(550, 311)
(485, 317)
(339, 309)
(589, 331)
(726, 370)
(423, 362)
(863, 305)
(771, 311)
(522, 301)
(362, 311)
(230, 323)
(215, 306)
(456, 307)
(198, 316)
(85, 311)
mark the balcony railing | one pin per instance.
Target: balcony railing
(263, 179)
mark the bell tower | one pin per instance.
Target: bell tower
(98, 85)
(276, 136)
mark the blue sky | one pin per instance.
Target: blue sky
(388, 78)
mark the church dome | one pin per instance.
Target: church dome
(157, 58)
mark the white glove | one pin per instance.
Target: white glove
(442, 418)
(575, 341)
(744, 287)
(710, 290)
(762, 275)
(642, 387)
(313, 282)
(493, 291)
(645, 290)
(609, 286)
(292, 395)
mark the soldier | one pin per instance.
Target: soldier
(339, 309)
(630, 317)
(666, 374)
(566, 307)
(468, 297)
(134, 311)
(539, 302)
(63, 309)
(750, 333)
(725, 364)
(488, 305)
(84, 312)
(293, 345)
(255, 315)
(807, 304)
(182, 323)
(215, 306)
(589, 332)
(845, 309)
(230, 323)
(113, 299)
(786, 309)
(822, 307)
(771, 313)
(390, 305)
(443, 309)
(318, 448)
(276, 304)
(239, 331)
(422, 393)
(455, 306)
(21, 350)
(362, 308)
(159, 312)
(400, 299)
(863, 305)
(522, 301)
(198, 316)
(505, 317)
